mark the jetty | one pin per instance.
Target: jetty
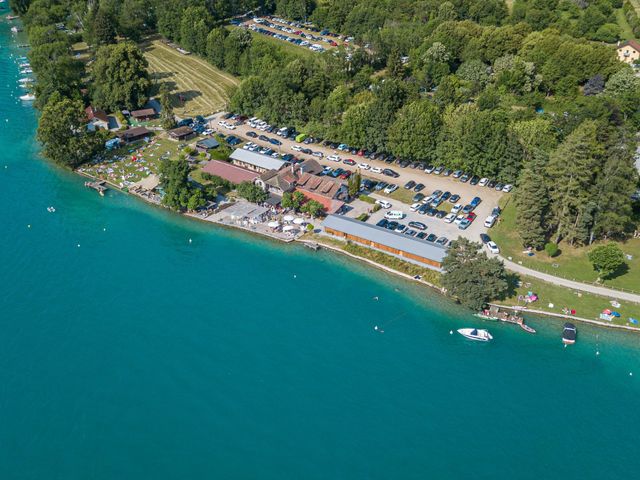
(494, 313)
(99, 186)
(312, 245)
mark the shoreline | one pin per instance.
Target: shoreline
(301, 240)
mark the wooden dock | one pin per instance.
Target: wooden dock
(99, 186)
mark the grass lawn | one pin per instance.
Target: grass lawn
(401, 195)
(203, 88)
(289, 48)
(585, 304)
(572, 262)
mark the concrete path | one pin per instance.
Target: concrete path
(584, 287)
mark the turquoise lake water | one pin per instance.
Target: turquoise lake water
(127, 352)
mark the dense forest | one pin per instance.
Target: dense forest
(534, 95)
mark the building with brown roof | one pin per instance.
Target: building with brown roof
(285, 180)
(326, 190)
(97, 118)
(629, 51)
(143, 114)
(181, 133)
(133, 134)
(229, 172)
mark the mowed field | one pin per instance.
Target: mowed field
(197, 88)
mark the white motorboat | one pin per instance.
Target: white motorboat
(26, 71)
(475, 334)
(25, 80)
(29, 97)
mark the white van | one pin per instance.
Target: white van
(490, 221)
(394, 215)
(383, 203)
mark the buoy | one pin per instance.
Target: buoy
(450, 332)
(29, 226)
(104, 229)
(189, 240)
(597, 353)
(78, 245)
(295, 276)
(376, 327)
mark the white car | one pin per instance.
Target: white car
(415, 206)
(490, 221)
(376, 170)
(296, 148)
(450, 218)
(507, 188)
(333, 158)
(456, 208)
(394, 215)
(364, 166)
(483, 182)
(459, 219)
(493, 248)
(383, 203)
(390, 188)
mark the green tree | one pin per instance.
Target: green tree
(63, 133)
(531, 200)
(415, 131)
(195, 25)
(606, 259)
(120, 78)
(353, 185)
(252, 192)
(174, 175)
(470, 276)
(166, 114)
(196, 200)
(215, 46)
(104, 31)
(292, 200)
(313, 208)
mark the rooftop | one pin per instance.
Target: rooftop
(181, 131)
(380, 235)
(145, 112)
(631, 43)
(324, 186)
(257, 159)
(229, 172)
(208, 143)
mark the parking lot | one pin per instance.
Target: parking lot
(489, 196)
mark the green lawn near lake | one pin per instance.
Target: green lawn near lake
(572, 262)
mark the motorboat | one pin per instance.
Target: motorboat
(26, 71)
(569, 334)
(26, 80)
(475, 334)
(29, 97)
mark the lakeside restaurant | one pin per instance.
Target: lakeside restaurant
(398, 244)
(256, 161)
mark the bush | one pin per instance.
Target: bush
(367, 198)
(551, 249)
(310, 228)
(362, 217)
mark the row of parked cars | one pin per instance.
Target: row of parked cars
(413, 229)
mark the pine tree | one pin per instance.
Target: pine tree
(571, 171)
(104, 28)
(166, 115)
(532, 203)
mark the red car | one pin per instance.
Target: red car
(346, 175)
(349, 161)
(360, 153)
(471, 217)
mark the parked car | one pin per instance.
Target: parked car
(381, 186)
(438, 170)
(489, 221)
(337, 172)
(445, 196)
(317, 154)
(449, 218)
(432, 237)
(421, 235)
(390, 188)
(252, 134)
(333, 158)
(474, 180)
(401, 228)
(483, 182)
(457, 174)
(429, 168)
(364, 166)
(475, 202)
(376, 170)
(499, 186)
(418, 225)
(456, 208)
(491, 184)
(391, 225)
(383, 203)
(275, 141)
(442, 241)
(382, 223)
(415, 207)
(493, 248)
(464, 224)
(410, 184)
(471, 217)
(447, 172)
(349, 161)
(441, 214)
(464, 178)
(467, 209)
(418, 197)
(418, 188)
(394, 215)
(484, 238)
(496, 211)
(507, 188)
(390, 173)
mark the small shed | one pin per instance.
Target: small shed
(203, 146)
(133, 134)
(182, 133)
(143, 114)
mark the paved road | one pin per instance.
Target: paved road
(584, 287)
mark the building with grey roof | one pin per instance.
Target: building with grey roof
(256, 161)
(398, 244)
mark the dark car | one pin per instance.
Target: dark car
(306, 151)
(185, 122)
(484, 238)
(418, 188)
(390, 173)
(401, 228)
(475, 202)
(441, 214)
(496, 211)
(337, 172)
(252, 135)
(445, 196)
(423, 209)
(414, 164)
(467, 209)
(418, 225)
(431, 212)
(382, 223)
(288, 157)
(442, 241)
(404, 163)
(410, 184)
(432, 237)
(381, 185)
(275, 141)
(454, 198)
(464, 178)
(391, 225)
(499, 186)
(421, 235)
(447, 172)
(389, 159)
(474, 180)
(491, 184)
(418, 197)
(264, 138)
(411, 232)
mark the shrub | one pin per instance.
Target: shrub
(551, 249)
(367, 198)
(310, 228)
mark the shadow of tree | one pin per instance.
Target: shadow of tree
(621, 270)
(513, 280)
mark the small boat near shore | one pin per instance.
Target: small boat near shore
(569, 333)
(29, 97)
(475, 334)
